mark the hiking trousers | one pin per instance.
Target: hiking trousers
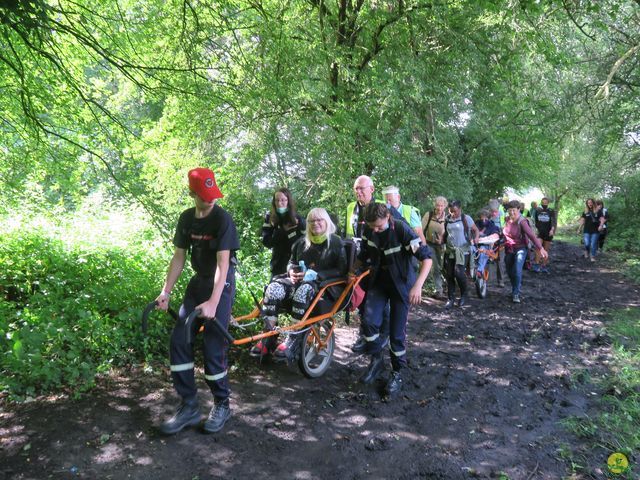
(381, 295)
(215, 347)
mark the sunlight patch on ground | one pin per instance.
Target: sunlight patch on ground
(413, 437)
(109, 453)
(346, 419)
(449, 443)
(143, 461)
(288, 436)
(11, 438)
(260, 380)
(120, 407)
(122, 393)
(304, 475)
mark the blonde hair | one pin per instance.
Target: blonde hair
(316, 213)
(440, 199)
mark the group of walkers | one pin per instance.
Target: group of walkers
(398, 246)
(454, 237)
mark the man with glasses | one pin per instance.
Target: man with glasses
(355, 224)
(208, 232)
(363, 189)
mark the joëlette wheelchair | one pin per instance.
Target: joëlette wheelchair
(486, 253)
(313, 350)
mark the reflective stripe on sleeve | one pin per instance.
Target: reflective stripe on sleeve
(373, 338)
(414, 245)
(182, 367)
(266, 225)
(217, 376)
(292, 234)
(389, 251)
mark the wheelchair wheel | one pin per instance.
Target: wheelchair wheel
(481, 287)
(316, 351)
(482, 279)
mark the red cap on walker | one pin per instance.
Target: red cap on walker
(202, 182)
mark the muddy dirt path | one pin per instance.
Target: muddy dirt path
(484, 393)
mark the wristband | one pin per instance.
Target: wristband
(165, 293)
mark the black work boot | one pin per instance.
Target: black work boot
(394, 384)
(218, 416)
(376, 367)
(360, 345)
(187, 415)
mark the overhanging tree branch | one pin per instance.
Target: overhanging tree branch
(603, 91)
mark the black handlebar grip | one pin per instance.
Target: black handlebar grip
(187, 324)
(145, 315)
(219, 328)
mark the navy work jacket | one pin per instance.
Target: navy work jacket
(393, 249)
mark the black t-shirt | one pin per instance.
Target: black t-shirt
(205, 237)
(545, 219)
(591, 221)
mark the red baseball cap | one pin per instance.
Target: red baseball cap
(202, 182)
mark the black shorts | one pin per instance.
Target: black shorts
(545, 238)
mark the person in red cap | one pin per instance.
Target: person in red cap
(209, 234)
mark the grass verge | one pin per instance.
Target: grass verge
(616, 425)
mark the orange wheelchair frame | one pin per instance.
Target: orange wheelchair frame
(318, 330)
(481, 279)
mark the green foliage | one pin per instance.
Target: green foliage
(625, 224)
(127, 96)
(67, 312)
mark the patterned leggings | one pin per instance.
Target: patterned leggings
(282, 291)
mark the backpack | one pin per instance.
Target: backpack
(465, 226)
(426, 227)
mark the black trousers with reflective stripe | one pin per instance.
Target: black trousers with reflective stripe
(382, 294)
(384, 328)
(214, 346)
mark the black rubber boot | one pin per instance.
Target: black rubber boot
(376, 367)
(220, 413)
(360, 345)
(187, 415)
(394, 384)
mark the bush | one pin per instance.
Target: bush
(67, 313)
